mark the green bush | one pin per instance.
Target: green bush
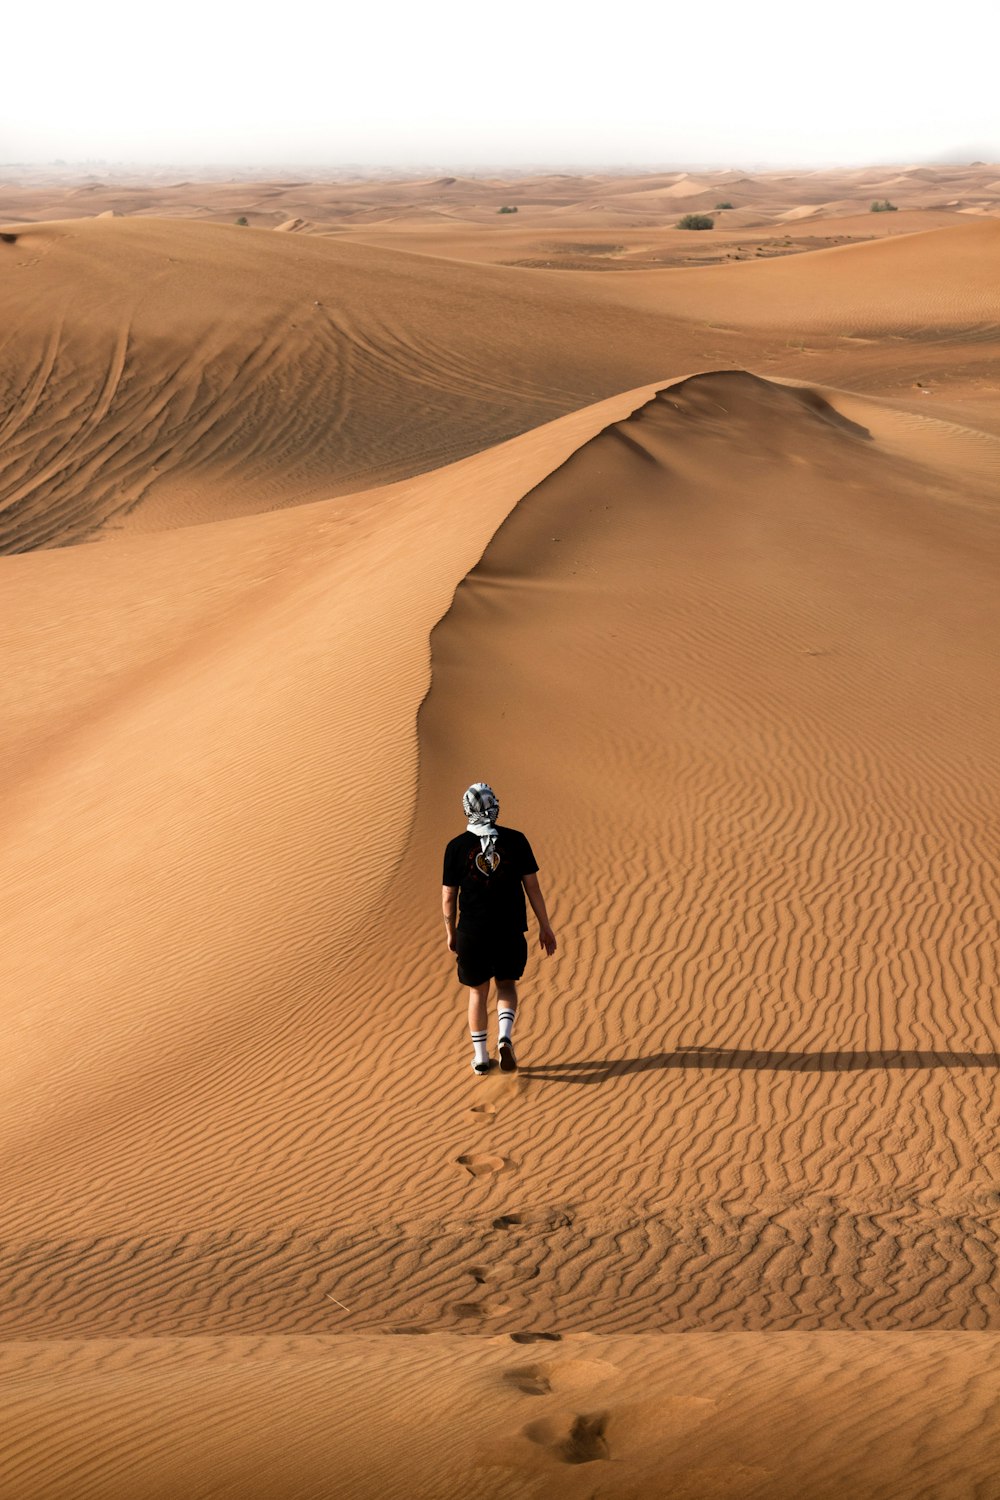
(244, 221)
(883, 206)
(696, 221)
(506, 210)
(723, 205)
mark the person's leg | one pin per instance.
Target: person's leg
(506, 1005)
(506, 1013)
(478, 996)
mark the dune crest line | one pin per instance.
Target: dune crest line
(697, 566)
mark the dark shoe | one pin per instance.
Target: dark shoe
(508, 1062)
(481, 1069)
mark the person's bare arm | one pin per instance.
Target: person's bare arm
(449, 905)
(546, 937)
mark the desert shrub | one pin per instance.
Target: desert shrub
(244, 221)
(723, 205)
(507, 209)
(696, 221)
(883, 206)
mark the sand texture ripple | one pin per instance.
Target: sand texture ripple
(697, 565)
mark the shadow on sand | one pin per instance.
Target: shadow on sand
(737, 1059)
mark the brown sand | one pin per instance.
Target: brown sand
(690, 1416)
(698, 567)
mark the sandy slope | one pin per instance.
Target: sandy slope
(725, 646)
(945, 278)
(199, 371)
(731, 1416)
(153, 373)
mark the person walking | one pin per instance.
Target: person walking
(488, 871)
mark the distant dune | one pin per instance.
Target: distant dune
(157, 373)
(697, 565)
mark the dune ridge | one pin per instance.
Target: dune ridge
(785, 867)
(210, 373)
(723, 640)
(158, 374)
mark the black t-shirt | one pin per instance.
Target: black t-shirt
(490, 901)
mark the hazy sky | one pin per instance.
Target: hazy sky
(521, 81)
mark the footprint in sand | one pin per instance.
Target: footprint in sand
(485, 1166)
(559, 1375)
(480, 1274)
(489, 1307)
(545, 1218)
(481, 1114)
(532, 1380)
(576, 1439)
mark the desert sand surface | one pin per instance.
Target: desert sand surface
(692, 553)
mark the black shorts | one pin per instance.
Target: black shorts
(484, 956)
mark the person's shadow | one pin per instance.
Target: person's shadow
(738, 1059)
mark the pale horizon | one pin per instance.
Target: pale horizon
(523, 168)
(444, 88)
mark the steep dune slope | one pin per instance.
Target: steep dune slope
(731, 665)
(724, 644)
(155, 373)
(739, 667)
(196, 728)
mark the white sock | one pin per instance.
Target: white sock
(479, 1042)
(506, 1018)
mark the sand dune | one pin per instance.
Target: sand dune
(209, 371)
(723, 638)
(156, 374)
(943, 278)
(339, 199)
(649, 489)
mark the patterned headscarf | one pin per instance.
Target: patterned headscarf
(482, 810)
